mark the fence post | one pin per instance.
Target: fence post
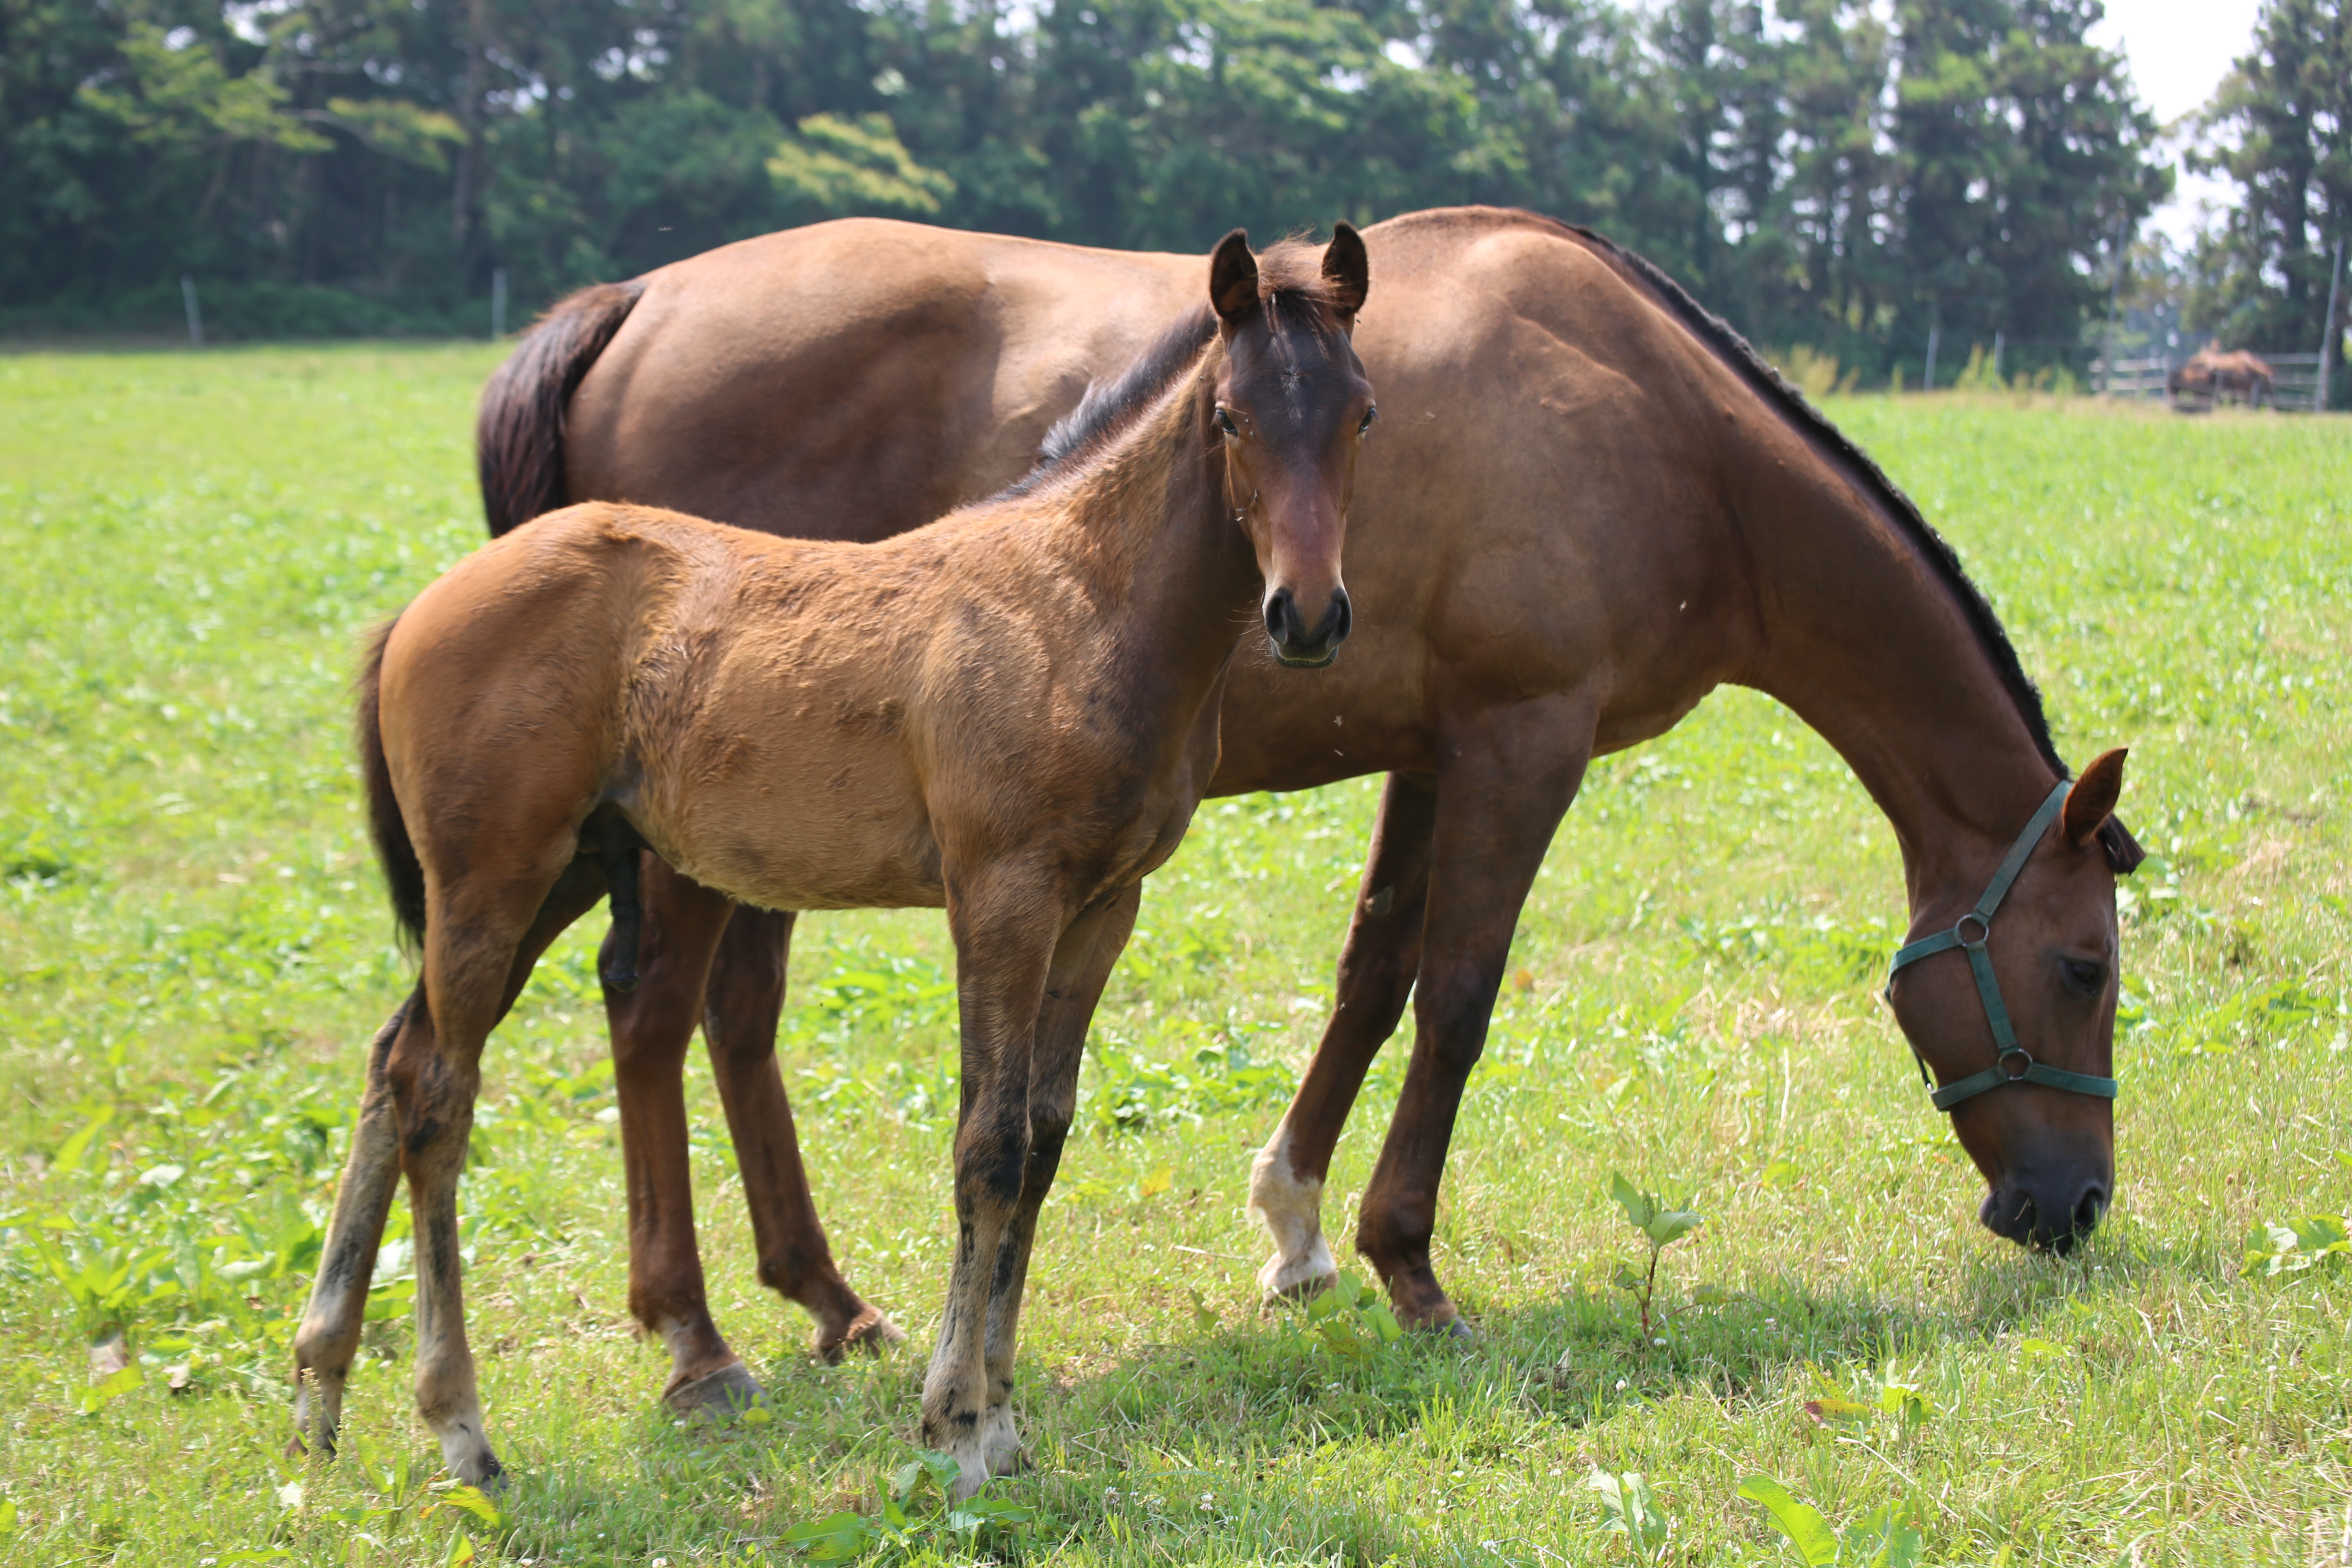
(498, 303)
(2329, 332)
(1996, 356)
(195, 317)
(1928, 382)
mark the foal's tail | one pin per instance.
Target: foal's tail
(403, 874)
(518, 434)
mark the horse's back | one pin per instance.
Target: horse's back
(854, 379)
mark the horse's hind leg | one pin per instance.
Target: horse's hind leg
(744, 1001)
(651, 1028)
(1376, 972)
(329, 1335)
(1505, 777)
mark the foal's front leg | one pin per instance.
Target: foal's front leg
(1074, 986)
(1006, 926)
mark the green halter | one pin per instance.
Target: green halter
(2007, 1069)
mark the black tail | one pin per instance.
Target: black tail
(518, 434)
(403, 874)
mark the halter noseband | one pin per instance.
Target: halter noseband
(2006, 1069)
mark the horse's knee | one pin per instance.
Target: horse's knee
(1453, 1009)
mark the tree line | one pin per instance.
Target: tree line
(1838, 175)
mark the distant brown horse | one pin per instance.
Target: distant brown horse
(1011, 714)
(2238, 375)
(1592, 505)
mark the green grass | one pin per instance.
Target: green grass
(193, 946)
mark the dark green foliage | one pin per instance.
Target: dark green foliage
(2282, 128)
(1816, 175)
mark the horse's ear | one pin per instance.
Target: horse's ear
(2092, 799)
(1232, 277)
(1347, 270)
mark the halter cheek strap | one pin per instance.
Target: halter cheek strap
(2015, 1065)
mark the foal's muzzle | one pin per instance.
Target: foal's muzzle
(1302, 647)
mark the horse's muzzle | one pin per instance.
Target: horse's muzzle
(2051, 1216)
(1299, 646)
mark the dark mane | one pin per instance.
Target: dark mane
(1290, 275)
(1736, 352)
(1108, 407)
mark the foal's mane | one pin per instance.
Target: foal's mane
(1740, 356)
(1294, 293)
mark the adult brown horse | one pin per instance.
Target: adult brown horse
(2238, 376)
(1011, 714)
(1593, 504)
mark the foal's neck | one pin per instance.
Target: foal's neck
(1870, 641)
(1148, 531)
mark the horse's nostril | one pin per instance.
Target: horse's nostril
(2088, 1210)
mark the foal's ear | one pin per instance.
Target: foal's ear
(2092, 799)
(1347, 270)
(1233, 278)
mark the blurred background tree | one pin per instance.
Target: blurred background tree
(1829, 174)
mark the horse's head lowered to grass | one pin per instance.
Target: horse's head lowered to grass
(2010, 1001)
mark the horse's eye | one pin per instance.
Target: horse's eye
(2083, 976)
(1226, 423)
(1369, 414)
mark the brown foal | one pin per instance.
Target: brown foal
(1593, 504)
(1010, 713)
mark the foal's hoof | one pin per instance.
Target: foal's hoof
(869, 1332)
(728, 1391)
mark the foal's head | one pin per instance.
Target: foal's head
(1292, 409)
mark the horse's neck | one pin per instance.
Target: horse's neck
(1868, 640)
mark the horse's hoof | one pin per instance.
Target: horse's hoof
(1453, 1328)
(728, 1391)
(1298, 1279)
(869, 1332)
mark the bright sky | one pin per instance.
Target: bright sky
(2179, 50)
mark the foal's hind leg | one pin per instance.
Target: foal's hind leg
(744, 1001)
(1376, 972)
(479, 947)
(329, 1335)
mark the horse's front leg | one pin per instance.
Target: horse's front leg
(1377, 965)
(740, 1009)
(1505, 777)
(1074, 986)
(1006, 924)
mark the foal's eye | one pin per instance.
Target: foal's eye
(1226, 423)
(1369, 414)
(2084, 977)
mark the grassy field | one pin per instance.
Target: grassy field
(192, 947)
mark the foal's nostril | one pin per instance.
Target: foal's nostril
(1281, 617)
(1340, 620)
